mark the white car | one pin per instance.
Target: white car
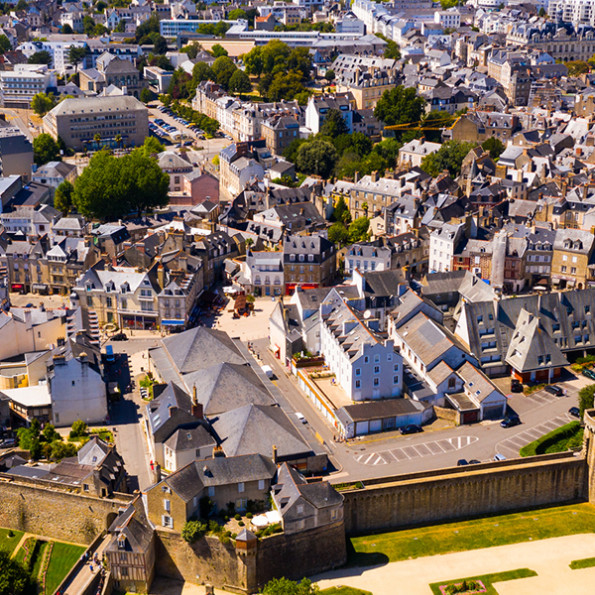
(301, 417)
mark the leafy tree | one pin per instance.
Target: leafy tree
(151, 146)
(201, 72)
(79, 429)
(4, 44)
(372, 162)
(446, 4)
(334, 124)
(399, 106)
(223, 69)
(99, 29)
(435, 119)
(235, 14)
(291, 151)
(14, 577)
(193, 531)
(179, 84)
(88, 25)
(161, 61)
(22, 5)
(49, 433)
(358, 230)
(338, 234)
(357, 143)
(101, 6)
(285, 86)
(341, 212)
(160, 45)
(317, 157)
(542, 13)
(42, 57)
(494, 146)
(41, 103)
(67, 29)
(63, 197)
(151, 25)
(45, 149)
(329, 75)
(302, 97)
(389, 149)
(76, 55)
(191, 50)
(300, 60)
(586, 398)
(218, 50)
(253, 61)
(146, 95)
(450, 157)
(58, 450)
(110, 187)
(577, 67)
(28, 435)
(283, 586)
(239, 83)
(392, 50)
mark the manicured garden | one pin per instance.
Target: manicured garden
(584, 563)
(567, 437)
(344, 591)
(47, 562)
(479, 584)
(473, 534)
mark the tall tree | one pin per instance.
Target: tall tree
(45, 149)
(239, 83)
(4, 44)
(14, 578)
(334, 124)
(223, 69)
(218, 50)
(399, 106)
(42, 57)
(63, 197)
(76, 55)
(41, 103)
(449, 157)
(317, 157)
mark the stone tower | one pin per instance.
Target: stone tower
(589, 449)
(246, 548)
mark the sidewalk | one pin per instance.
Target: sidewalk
(84, 576)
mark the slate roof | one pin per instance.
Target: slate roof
(381, 409)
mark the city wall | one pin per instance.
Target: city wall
(458, 493)
(56, 513)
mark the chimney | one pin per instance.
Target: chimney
(218, 451)
(197, 409)
(275, 454)
(161, 276)
(356, 177)
(375, 176)
(157, 473)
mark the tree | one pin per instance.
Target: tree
(151, 25)
(66, 29)
(586, 398)
(436, 119)
(29, 438)
(494, 146)
(329, 75)
(450, 157)
(283, 586)
(179, 83)
(42, 57)
(63, 197)
(49, 433)
(22, 5)
(290, 152)
(446, 4)
(239, 83)
(218, 50)
(41, 103)
(338, 234)
(285, 86)
(193, 531)
(358, 230)
(14, 577)
(235, 14)
(4, 44)
(88, 25)
(112, 187)
(334, 124)
(253, 61)
(76, 55)
(160, 45)
(201, 72)
(191, 50)
(45, 149)
(392, 50)
(223, 69)
(146, 95)
(577, 67)
(341, 212)
(399, 106)
(151, 146)
(542, 13)
(317, 157)
(79, 429)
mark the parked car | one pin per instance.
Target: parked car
(119, 337)
(474, 462)
(301, 417)
(411, 429)
(510, 421)
(589, 373)
(462, 462)
(9, 442)
(516, 386)
(553, 389)
(575, 411)
(499, 457)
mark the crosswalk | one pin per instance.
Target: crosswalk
(516, 442)
(424, 449)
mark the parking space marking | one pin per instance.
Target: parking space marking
(412, 451)
(517, 441)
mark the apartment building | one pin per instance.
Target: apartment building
(308, 262)
(78, 121)
(573, 250)
(19, 86)
(58, 50)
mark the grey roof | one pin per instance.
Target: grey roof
(97, 105)
(257, 428)
(381, 409)
(190, 439)
(226, 386)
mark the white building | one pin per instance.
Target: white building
(413, 152)
(19, 86)
(264, 273)
(58, 50)
(364, 366)
(443, 242)
(577, 12)
(367, 257)
(449, 19)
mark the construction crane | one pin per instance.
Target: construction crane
(432, 125)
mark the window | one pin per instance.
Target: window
(261, 484)
(85, 487)
(167, 521)
(358, 372)
(211, 491)
(167, 505)
(240, 487)
(358, 384)
(396, 368)
(376, 369)
(395, 380)
(376, 381)
(108, 302)
(366, 359)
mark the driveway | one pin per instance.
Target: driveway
(549, 558)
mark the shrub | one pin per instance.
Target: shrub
(193, 531)
(214, 527)
(238, 517)
(79, 429)
(241, 523)
(249, 515)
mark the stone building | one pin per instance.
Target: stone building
(308, 261)
(111, 70)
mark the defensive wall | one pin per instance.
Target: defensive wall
(56, 512)
(464, 492)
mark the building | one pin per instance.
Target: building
(413, 152)
(367, 256)
(111, 70)
(264, 273)
(308, 261)
(365, 366)
(19, 86)
(573, 250)
(319, 106)
(58, 50)
(16, 152)
(54, 173)
(443, 243)
(237, 169)
(78, 121)
(279, 131)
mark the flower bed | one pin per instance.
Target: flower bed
(467, 587)
(44, 568)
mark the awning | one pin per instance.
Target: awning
(173, 322)
(40, 286)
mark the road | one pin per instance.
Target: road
(21, 119)
(391, 453)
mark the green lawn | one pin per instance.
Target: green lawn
(561, 439)
(7, 544)
(470, 535)
(584, 563)
(344, 591)
(487, 580)
(63, 558)
(30, 542)
(38, 559)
